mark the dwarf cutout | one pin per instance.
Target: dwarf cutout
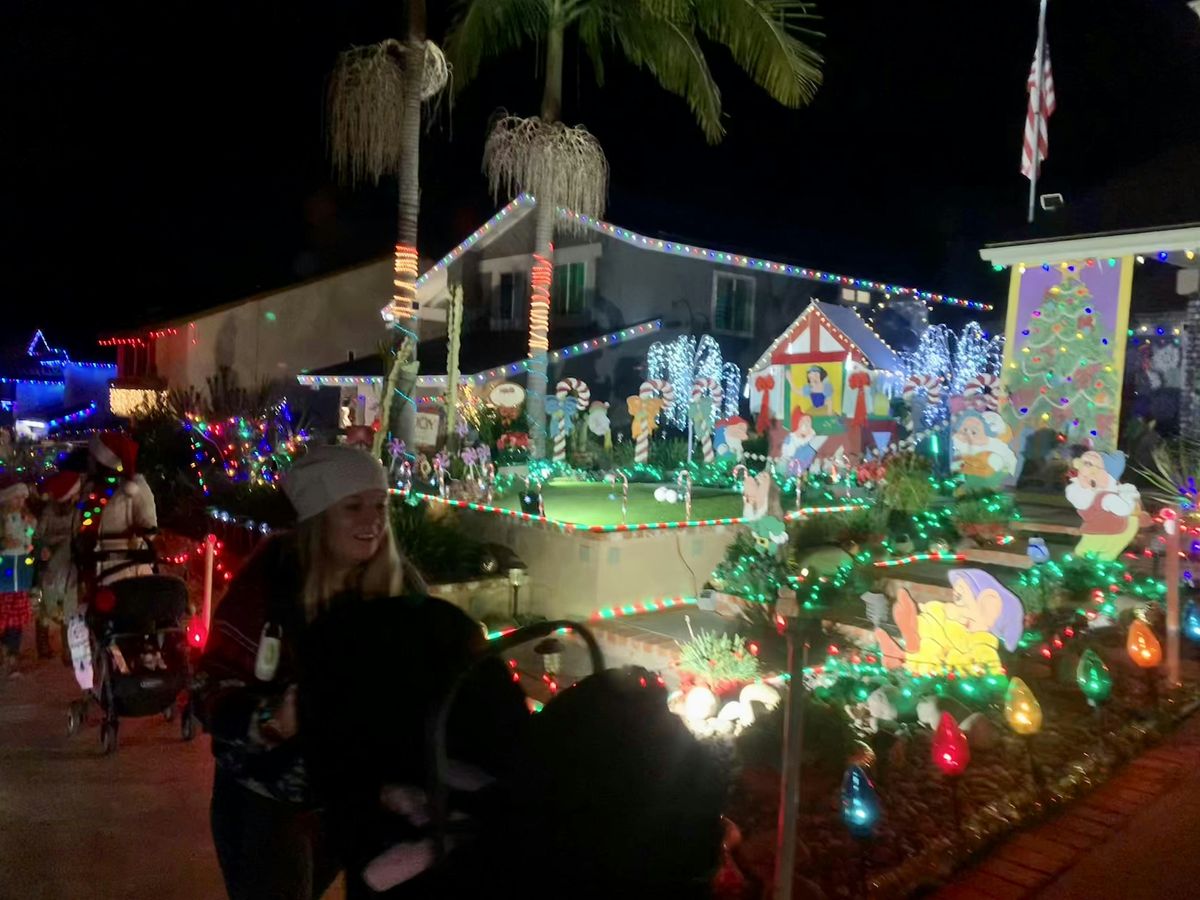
(961, 636)
(1111, 511)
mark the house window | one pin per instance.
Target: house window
(850, 295)
(507, 296)
(733, 303)
(566, 291)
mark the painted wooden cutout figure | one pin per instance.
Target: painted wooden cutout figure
(729, 436)
(962, 636)
(981, 450)
(1111, 511)
(756, 495)
(598, 422)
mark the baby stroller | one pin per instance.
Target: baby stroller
(140, 659)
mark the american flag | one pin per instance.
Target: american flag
(1047, 107)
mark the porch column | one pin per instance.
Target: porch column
(1189, 423)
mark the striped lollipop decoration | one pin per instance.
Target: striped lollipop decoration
(983, 392)
(706, 396)
(930, 384)
(653, 396)
(581, 395)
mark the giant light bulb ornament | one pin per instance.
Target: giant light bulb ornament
(860, 803)
(1143, 646)
(1093, 677)
(1021, 708)
(950, 750)
(1191, 621)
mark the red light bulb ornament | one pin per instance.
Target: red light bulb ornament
(950, 750)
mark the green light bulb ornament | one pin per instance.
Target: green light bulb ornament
(1093, 677)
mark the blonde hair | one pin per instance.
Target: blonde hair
(380, 576)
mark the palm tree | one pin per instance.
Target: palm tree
(375, 96)
(562, 165)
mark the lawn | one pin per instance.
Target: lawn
(589, 503)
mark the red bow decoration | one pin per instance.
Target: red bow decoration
(764, 384)
(860, 381)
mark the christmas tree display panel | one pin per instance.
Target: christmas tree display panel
(1065, 351)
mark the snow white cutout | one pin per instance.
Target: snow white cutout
(963, 635)
(818, 390)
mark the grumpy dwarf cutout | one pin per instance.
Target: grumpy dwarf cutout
(963, 635)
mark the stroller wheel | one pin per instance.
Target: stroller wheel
(75, 714)
(169, 713)
(108, 736)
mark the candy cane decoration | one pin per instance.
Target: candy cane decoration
(704, 429)
(569, 387)
(983, 392)
(648, 391)
(931, 384)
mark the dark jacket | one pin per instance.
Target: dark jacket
(228, 693)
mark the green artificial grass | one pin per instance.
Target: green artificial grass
(588, 503)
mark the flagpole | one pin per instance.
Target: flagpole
(1036, 100)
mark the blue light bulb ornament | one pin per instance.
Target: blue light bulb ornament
(860, 803)
(1191, 621)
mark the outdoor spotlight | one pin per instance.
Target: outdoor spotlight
(1052, 202)
(518, 577)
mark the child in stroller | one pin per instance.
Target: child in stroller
(140, 664)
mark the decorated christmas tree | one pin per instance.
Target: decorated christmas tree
(1064, 375)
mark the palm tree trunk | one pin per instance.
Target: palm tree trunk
(541, 274)
(400, 389)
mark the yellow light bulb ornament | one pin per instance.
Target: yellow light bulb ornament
(1021, 708)
(1142, 645)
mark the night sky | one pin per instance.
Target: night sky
(163, 157)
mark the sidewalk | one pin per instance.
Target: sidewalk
(1133, 837)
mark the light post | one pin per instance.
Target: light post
(518, 577)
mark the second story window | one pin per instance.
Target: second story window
(733, 303)
(567, 289)
(506, 296)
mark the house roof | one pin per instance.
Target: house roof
(1171, 245)
(851, 325)
(503, 355)
(513, 212)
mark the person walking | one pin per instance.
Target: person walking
(119, 512)
(56, 577)
(271, 836)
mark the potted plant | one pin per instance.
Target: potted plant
(984, 518)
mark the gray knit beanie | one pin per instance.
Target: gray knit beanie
(324, 475)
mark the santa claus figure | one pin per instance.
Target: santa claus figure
(1111, 511)
(981, 451)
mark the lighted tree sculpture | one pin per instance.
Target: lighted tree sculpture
(375, 97)
(563, 165)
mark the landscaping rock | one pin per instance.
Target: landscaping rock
(699, 704)
(981, 732)
(882, 703)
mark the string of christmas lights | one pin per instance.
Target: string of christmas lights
(685, 360)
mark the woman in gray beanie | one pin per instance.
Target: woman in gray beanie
(271, 840)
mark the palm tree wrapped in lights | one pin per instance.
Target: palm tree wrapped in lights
(375, 97)
(563, 165)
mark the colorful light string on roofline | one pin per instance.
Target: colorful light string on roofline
(1092, 262)
(747, 262)
(764, 265)
(591, 345)
(71, 418)
(137, 341)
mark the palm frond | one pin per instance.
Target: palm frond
(764, 38)
(658, 37)
(366, 112)
(1174, 477)
(559, 164)
(488, 28)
